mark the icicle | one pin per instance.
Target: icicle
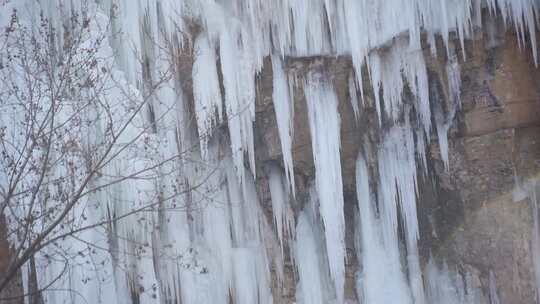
(397, 184)
(245, 277)
(477, 6)
(442, 135)
(249, 227)
(314, 282)
(444, 121)
(374, 67)
(217, 232)
(310, 289)
(381, 279)
(421, 149)
(239, 83)
(283, 220)
(281, 209)
(206, 91)
(309, 30)
(324, 124)
(387, 69)
(284, 108)
(449, 287)
(359, 44)
(353, 97)
(440, 286)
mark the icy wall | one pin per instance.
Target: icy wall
(216, 242)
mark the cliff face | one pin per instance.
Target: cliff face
(495, 153)
(475, 216)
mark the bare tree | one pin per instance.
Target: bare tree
(71, 128)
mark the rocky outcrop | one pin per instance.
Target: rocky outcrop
(494, 151)
(472, 216)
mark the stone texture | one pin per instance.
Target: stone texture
(495, 147)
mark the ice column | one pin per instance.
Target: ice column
(324, 124)
(284, 108)
(381, 279)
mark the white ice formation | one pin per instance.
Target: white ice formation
(204, 236)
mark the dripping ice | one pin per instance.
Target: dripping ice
(381, 279)
(284, 109)
(324, 124)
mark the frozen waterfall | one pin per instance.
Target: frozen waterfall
(174, 211)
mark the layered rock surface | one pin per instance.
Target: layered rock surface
(475, 216)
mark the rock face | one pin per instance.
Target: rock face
(495, 149)
(472, 216)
